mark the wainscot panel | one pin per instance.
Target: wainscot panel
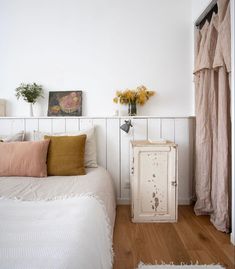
(113, 144)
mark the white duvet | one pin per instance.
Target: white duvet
(64, 233)
(96, 181)
(49, 223)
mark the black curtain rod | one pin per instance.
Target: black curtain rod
(207, 14)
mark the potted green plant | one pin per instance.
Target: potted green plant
(30, 93)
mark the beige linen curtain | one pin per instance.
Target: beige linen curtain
(212, 104)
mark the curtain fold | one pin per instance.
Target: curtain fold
(212, 103)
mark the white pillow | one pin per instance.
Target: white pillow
(12, 138)
(90, 147)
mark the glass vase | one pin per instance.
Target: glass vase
(132, 109)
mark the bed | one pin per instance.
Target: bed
(57, 221)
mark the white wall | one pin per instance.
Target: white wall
(98, 47)
(198, 6)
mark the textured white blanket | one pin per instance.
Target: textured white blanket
(97, 181)
(69, 233)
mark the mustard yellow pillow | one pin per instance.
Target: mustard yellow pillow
(66, 155)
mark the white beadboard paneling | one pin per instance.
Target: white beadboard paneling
(9, 127)
(45, 125)
(125, 163)
(168, 129)
(72, 125)
(113, 145)
(6, 127)
(113, 151)
(185, 177)
(154, 129)
(191, 147)
(58, 125)
(86, 123)
(17, 125)
(140, 129)
(31, 125)
(100, 133)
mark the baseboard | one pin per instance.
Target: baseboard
(232, 238)
(185, 201)
(123, 201)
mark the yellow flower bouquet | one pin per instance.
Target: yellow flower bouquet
(140, 96)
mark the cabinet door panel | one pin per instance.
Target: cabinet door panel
(154, 184)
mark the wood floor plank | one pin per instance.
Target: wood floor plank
(200, 226)
(191, 239)
(201, 257)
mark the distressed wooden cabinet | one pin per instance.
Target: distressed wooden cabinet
(154, 180)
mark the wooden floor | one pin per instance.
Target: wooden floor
(191, 239)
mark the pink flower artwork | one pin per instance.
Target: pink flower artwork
(65, 103)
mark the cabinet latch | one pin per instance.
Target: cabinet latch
(132, 170)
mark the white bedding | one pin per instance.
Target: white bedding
(23, 195)
(73, 233)
(97, 181)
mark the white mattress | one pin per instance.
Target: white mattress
(96, 181)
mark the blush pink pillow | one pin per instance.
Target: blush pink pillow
(24, 158)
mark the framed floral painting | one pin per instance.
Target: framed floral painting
(65, 103)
